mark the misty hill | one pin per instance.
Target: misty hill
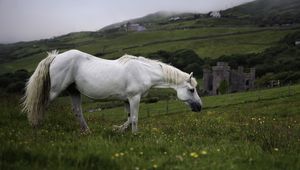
(259, 12)
(155, 17)
(150, 19)
(267, 11)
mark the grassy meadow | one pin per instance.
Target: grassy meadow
(207, 42)
(250, 130)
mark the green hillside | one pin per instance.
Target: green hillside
(157, 17)
(206, 42)
(266, 7)
(267, 12)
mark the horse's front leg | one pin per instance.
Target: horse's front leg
(134, 110)
(126, 125)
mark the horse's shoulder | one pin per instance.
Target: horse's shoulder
(125, 59)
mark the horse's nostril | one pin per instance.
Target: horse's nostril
(200, 108)
(195, 106)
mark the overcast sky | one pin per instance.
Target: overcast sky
(25, 20)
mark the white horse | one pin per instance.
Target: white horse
(127, 78)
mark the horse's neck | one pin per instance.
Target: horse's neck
(156, 76)
(159, 79)
(164, 85)
(156, 72)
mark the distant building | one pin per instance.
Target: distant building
(134, 27)
(215, 14)
(237, 80)
(174, 18)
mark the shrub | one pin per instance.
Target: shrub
(223, 88)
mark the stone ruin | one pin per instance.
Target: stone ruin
(237, 80)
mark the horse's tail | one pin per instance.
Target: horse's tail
(37, 91)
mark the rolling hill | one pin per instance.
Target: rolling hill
(266, 7)
(269, 12)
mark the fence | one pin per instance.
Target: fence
(173, 106)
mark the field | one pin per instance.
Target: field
(207, 42)
(251, 130)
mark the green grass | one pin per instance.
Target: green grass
(250, 130)
(216, 47)
(210, 42)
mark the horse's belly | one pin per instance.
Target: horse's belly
(104, 95)
(101, 90)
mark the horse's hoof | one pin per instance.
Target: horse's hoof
(135, 132)
(86, 131)
(119, 129)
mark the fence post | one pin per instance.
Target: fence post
(148, 112)
(289, 88)
(167, 107)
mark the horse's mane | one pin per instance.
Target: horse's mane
(172, 74)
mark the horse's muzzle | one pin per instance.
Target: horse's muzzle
(195, 106)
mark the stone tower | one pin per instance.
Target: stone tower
(220, 72)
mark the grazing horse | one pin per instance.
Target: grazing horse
(127, 78)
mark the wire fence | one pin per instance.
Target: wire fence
(173, 106)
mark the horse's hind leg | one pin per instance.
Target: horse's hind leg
(125, 126)
(76, 103)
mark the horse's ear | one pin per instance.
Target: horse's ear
(190, 77)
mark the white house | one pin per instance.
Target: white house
(174, 18)
(215, 14)
(134, 27)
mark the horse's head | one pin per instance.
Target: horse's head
(186, 92)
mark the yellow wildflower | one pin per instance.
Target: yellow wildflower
(194, 155)
(204, 152)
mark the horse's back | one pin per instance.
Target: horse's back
(70, 56)
(96, 77)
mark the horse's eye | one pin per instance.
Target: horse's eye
(192, 90)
